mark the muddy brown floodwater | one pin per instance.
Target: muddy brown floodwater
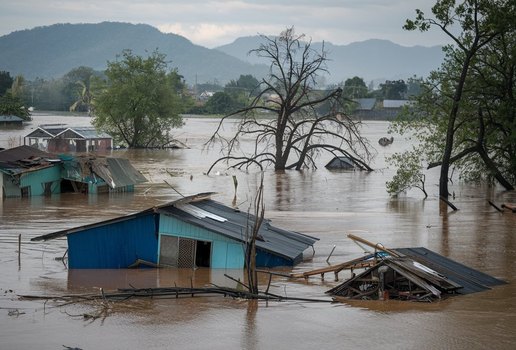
(321, 203)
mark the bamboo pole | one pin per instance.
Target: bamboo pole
(375, 246)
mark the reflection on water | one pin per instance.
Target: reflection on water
(321, 203)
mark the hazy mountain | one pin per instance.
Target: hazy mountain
(371, 59)
(52, 51)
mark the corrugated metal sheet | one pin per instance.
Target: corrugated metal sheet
(365, 103)
(285, 243)
(470, 279)
(83, 133)
(116, 244)
(395, 103)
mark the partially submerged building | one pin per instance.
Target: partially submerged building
(59, 138)
(195, 231)
(10, 120)
(415, 274)
(26, 171)
(92, 174)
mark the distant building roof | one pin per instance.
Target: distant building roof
(86, 133)
(395, 103)
(56, 130)
(365, 103)
(10, 119)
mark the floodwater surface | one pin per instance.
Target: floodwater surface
(322, 203)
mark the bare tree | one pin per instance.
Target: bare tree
(306, 121)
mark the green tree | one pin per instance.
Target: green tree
(409, 172)
(139, 103)
(394, 90)
(13, 105)
(355, 88)
(480, 23)
(295, 134)
(6, 81)
(78, 88)
(221, 103)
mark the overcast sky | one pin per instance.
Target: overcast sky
(218, 22)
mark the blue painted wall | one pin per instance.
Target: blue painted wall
(115, 245)
(226, 252)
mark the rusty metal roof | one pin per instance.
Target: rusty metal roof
(25, 158)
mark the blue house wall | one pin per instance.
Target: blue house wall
(115, 245)
(225, 252)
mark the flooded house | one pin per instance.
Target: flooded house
(413, 274)
(59, 138)
(10, 121)
(94, 174)
(191, 232)
(27, 171)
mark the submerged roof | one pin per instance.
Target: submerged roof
(236, 224)
(340, 162)
(470, 279)
(116, 172)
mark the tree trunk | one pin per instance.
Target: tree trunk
(450, 133)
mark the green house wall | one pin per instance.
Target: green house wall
(35, 180)
(225, 252)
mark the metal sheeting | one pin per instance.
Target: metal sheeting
(288, 244)
(24, 158)
(470, 279)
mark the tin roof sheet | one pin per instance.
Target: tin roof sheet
(238, 224)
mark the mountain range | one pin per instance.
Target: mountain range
(52, 51)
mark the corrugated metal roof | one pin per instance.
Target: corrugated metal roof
(116, 172)
(470, 279)
(365, 103)
(395, 103)
(288, 244)
(24, 158)
(281, 242)
(87, 132)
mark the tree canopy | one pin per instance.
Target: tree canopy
(465, 116)
(140, 102)
(283, 118)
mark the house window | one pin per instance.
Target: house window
(184, 252)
